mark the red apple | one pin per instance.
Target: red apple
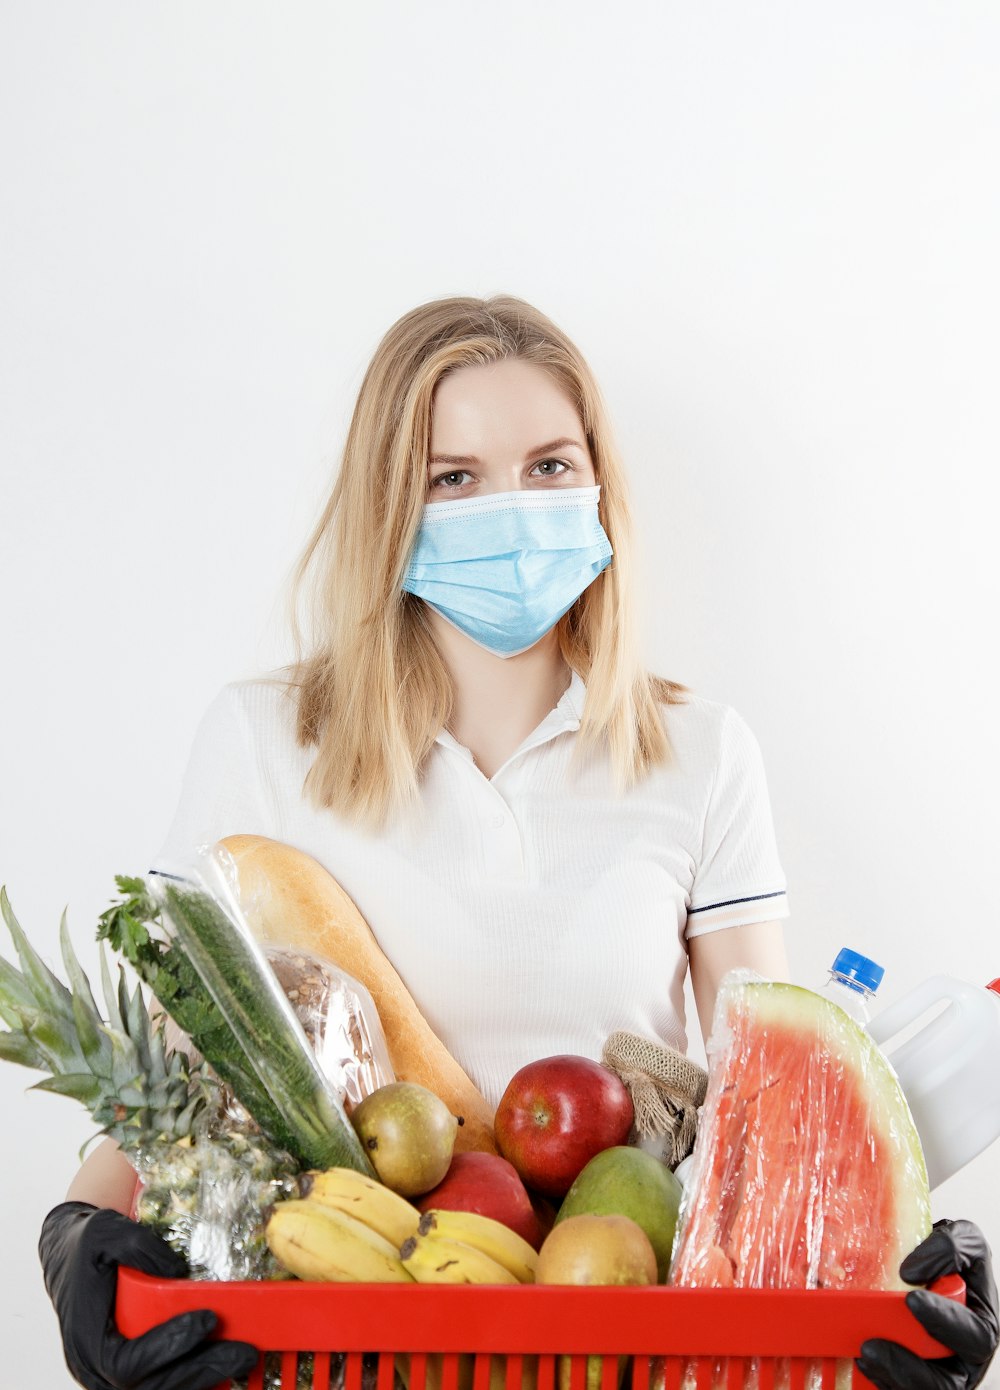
(556, 1114)
(488, 1184)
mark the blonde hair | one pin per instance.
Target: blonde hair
(373, 690)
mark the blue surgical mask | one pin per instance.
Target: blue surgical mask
(505, 567)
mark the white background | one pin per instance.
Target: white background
(773, 231)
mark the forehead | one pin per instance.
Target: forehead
(500, 405)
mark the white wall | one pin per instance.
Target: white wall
(773, 230)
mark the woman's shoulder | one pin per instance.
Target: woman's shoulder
(264, 705)
(698, 724)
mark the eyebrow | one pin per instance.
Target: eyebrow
(533, 453)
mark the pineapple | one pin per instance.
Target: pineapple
(206, 1169)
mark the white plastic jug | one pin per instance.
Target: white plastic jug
(949, 1069)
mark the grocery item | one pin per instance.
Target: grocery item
(807, 1170)
(206, 1168)
(492, 1237)
(409, 1134)
(137, 1089)
(595, 1249)
(365, 1198)
(434, 1259)
(488, 1184)
(626, 1181)
(188, 941)
(948, 1067)
(666, 1089)
(555, 1114)
(339, 1019)
(288, 898)
(314, 1241)
(852, 982)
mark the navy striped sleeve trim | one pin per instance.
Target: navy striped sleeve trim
(734, 902)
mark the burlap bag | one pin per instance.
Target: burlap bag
(666, 1089)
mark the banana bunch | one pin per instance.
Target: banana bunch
(342, 1226)
(463, 1247)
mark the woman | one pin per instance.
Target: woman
(543, 836)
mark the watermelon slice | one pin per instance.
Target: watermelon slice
(808, 1171)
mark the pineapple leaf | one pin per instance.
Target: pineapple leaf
(18, 1047)
(48, 991)
(14, 994)
(137, 1023)
(85, 1014)
(53, 1038)
(79, 1085)
(115, 1019)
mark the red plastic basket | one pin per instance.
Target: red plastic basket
(486, 1337)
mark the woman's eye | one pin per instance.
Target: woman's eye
(441, 477)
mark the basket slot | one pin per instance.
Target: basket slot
(514, 1367)
(449, 1363)
(546, 1371)
(666, 1373)
(386, 1371)
(321, 1370)
(256, 1378)
(481, 1373)
(610, 1377)
(352, 1370)
(640, 1373)
(577, 1372)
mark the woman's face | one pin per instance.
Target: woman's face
(506, 427)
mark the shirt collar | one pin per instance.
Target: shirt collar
(564, 716)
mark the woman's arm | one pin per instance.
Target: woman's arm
(759, 946)
(105, 1179)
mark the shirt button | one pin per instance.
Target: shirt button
(498, 820)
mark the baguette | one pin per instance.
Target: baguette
(289, 899)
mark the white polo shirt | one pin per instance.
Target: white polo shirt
(529, 914)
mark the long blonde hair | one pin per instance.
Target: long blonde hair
(373, 689)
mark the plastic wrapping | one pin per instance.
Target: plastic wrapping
(339, 1019)
(206, 1198)
(807, 1171)
(272, 1068)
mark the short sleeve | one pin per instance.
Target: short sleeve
(738, 879)
(221, 791)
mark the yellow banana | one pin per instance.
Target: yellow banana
(492, 1237)
(321, 1243)
(370, 1201)
(438, 1260)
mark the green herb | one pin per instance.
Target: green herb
(221, 992)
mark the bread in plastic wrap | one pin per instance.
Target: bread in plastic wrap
(339, 1018)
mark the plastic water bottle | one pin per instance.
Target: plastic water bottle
(949, 1068)
(852, 983)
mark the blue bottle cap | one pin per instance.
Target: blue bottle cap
(857, 971)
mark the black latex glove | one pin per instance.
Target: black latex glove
(81, 1247)
(953, 1247)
